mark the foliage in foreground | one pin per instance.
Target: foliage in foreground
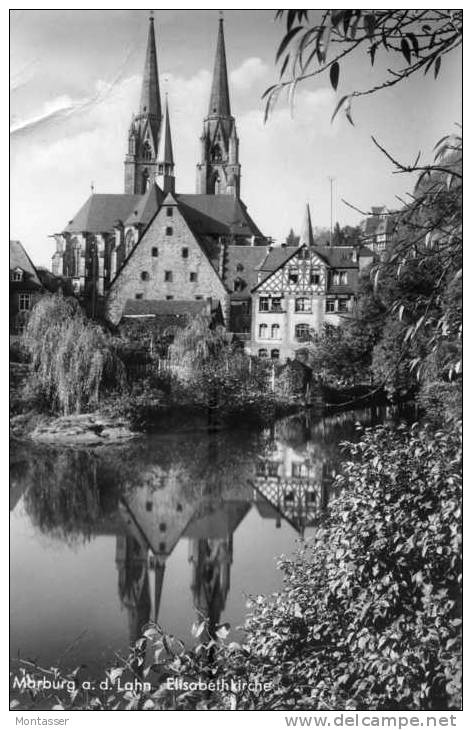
(369, 614)
(73, 360)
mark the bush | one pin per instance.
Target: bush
(369, 615)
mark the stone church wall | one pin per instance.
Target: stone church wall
(168, 245)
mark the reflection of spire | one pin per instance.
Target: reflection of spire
(133, 583)
(211, 566)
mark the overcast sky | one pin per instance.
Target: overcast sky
(76, 80)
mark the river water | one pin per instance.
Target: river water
(173, 527)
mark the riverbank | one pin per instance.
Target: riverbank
(147, 407)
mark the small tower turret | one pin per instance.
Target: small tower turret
(165, 158)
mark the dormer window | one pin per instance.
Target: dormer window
(17, 275)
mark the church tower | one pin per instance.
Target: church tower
(145, 128)
(219, 171)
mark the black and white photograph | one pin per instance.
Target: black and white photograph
(235, 364)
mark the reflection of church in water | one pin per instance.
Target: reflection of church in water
(285, 485)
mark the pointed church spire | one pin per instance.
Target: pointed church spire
(219, 98)
(165, 157)
(145, 129)
(166, 154)
(306, 237)
(150, 95)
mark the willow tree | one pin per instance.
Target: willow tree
(73, 360)
(200, 344)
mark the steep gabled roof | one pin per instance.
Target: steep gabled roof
(147, 206)
(217, 215)
(243, 262)
(277, 257)
(19, 259)
(102, 211)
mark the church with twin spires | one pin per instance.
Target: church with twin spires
(154, 253)
(132, 254)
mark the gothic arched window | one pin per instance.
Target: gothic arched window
(215, 186)
(216, 154)
(145, 181)
(147, 151)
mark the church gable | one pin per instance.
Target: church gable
(304, 271)
(167, 263)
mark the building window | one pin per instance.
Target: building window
(138, 296)
(24, 302)
(262, 353)
(339, 278)
(239, 267)
(275, 332)
(276, 304)
(263, 304)
(273, 468)
(193, 276)
(162, 527)
(303, 253)
(169, 231)
(342, 305)
(154, 252)
(275, 354)
(17, 275)
(169, 297)
(185, 253)
(330, 305)
(149, 506)
(239, 284)
(168, 276)
(147, 151)
(314, 279)
(303, 304)
(169, 212)
(162, 547)
(263, 331)
(199, 296)
(293, 277)
(302, 332)
(144, 275)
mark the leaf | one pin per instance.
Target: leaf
(334, 75)
(347, 15)
(369, 24)
(339, 105)
(372, 52)
(405, 48)
(414, 42)
(286, 40)
(284, 65)
(347, 112)
(437, 66)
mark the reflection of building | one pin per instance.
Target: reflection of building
(294, 484)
